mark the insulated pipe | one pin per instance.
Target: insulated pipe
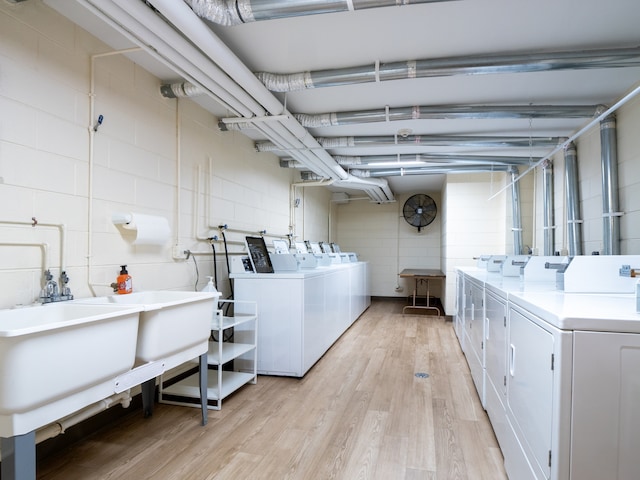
(235, 12)
(515, 212)
(610, 213)
(574, 221)
(436, 170)
(466, 65)
(406, 113)
(377, 161)
(547, 206)
(445, 112)
(430, 140)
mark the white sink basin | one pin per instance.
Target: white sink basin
(170, 321)
(58, 358)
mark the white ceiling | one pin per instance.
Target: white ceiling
(426, 31)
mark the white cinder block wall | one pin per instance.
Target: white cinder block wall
(151, 155)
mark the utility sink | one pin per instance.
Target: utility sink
(170, 321)
(60, 357)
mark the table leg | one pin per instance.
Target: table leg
(204, 377)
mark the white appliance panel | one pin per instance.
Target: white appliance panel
(530, 387)
(606, 400)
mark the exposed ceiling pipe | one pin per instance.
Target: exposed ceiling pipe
(420, 159)
(610, 211)
(425, 140)
(445, 112)
(236, 12)
(465, 65)
(416, 112)
(434, 170)
(574, 220)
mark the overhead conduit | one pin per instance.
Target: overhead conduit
(465, 65)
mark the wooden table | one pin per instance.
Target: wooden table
(422, 275)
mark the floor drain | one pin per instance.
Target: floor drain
(422, 375)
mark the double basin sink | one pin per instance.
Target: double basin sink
(58, 358)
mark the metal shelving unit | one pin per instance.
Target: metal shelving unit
(242, 351)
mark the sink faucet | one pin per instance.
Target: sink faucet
(50, 293)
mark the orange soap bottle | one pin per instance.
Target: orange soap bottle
(124, 281)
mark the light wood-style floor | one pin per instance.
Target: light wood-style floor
(360, 413)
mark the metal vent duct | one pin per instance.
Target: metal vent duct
(574, 221)
(235, 12)
(425, 140)
(397, 172)
(466, 65)
(610, 210)
(547, 207)
(420, 160)
(446, 112)
(516, 217)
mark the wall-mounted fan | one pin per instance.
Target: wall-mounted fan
(419, 210)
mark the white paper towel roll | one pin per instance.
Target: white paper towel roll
(151, 229)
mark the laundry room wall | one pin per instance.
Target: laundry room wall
(381, 236)
(590, 188)
(151, 155)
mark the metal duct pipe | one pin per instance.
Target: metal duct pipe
(181, 89)
(235, 12)
(436, 170)
(430, 140)
(609, 161)
(515, 212)
(445, 112)
(574, 221)
(547, 206)
(378, 161)
(465, 65)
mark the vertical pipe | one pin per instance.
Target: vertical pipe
(547, 187)
(515, 212)
(574, 222)
(610, 214)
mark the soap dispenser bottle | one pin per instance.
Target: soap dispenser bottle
(124, 281)
(209, 287)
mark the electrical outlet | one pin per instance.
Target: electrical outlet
(179, 252)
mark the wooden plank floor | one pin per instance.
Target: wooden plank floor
(360, 413)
